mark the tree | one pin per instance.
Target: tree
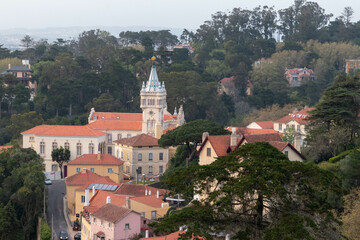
(255, 192)
(60, 155)
(190, 134)
(347, 15)
(27, 41)
(351, 215)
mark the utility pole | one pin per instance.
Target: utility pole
(44, 201)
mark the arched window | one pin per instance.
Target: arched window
(91, 148)
(67, 145)
(78, 149)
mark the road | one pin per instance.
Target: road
(55, 207)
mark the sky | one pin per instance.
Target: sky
(189, 14)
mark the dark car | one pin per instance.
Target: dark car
(64, 235)
(77, 236)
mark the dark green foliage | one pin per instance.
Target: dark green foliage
(21, 192)
(258, 191)
(60, 155)
(45, 231)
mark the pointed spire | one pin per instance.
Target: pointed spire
(143, 86)
(153, 83)
(175, 112)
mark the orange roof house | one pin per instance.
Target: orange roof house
(63, 130)
(142, 140)
(296, 76)
(261, 125)
(4, 148)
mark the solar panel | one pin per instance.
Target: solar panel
(105, 187)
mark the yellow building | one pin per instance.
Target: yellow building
(101, 164)
(76, 199)
(142, 152)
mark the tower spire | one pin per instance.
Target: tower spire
(153, 84)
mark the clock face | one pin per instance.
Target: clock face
(151, 112)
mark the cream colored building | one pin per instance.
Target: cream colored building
(144, 153)
(78, 139)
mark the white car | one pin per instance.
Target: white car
(48, 181)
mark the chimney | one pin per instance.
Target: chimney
(99, 156)
(93, 190)
(227, 237)
(9, 66)
(157, 194)
(86, 198)
(146, 233)
(233, 137)
(108, 199)
(149, 192)
(145, 192)
(204, 135)
(127, 203)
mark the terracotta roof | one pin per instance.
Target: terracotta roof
(262, 138)
(111, 213)
(129, 189)
(116, 124)
(266, 124)
(220, 144)
(3, 148)
(149, 200)
(168, 117)
(63, 130)
(171, 236)
(251, 131)
(142, 140)
(227, 80)
(298, 117)
(99, 200)
(92, 159)
(100, 234)
(117, 116)
(168, 129)
(82, 178)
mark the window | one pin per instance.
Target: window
(286, 153)
(110, 150)
(127, 226)
(77, 170)
(161, 169)
(293, 126)
(102, 222)
(119, 136)
(139, 170)
(109, 138)
(31, 139)
(117, 153)
(91, 148)
(92, 169)
(94, 220)
(142, 214)
(54, 145)
(122, 155)
(153, 214)
(109, 225)
(78, 149)
(42, 148)
(280, 126)
(208, 152)
(144, 102)
(298, 128)
(82, 198)
(128, 136)
(150, 169)
(127, 169)
(287, 126)
(110, 170)
(161, 156)
(128, 156)
(150, 156)
(139, 157)
(67, 145)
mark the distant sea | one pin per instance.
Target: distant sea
(11, 38)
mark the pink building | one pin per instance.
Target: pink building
(296, 76)
(114, 222)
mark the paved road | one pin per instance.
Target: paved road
(55, 207)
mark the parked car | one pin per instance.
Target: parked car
(77, 236)
(48, 181)
(64, 235)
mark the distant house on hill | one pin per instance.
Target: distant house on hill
(352, 65)
(297, 76)
(261, 125)
(183, 45)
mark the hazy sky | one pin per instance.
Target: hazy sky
(188, 14)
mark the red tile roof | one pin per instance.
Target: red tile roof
(3, 148)
(116, 125)
(168, 117)
(262, 138)
(220, 144)
(168, 129)
(142, 140)
(266, 124)
(92, 159)
(63, 130)
(282, 145)
(86, 178)
(227, 80)
(298, 117)
(99, 200)
(112, 213)
(129, 189)
(117, 116)
(149, 200)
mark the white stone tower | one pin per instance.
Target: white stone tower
(153, 104)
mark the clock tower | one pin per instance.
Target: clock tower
(153, 104)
